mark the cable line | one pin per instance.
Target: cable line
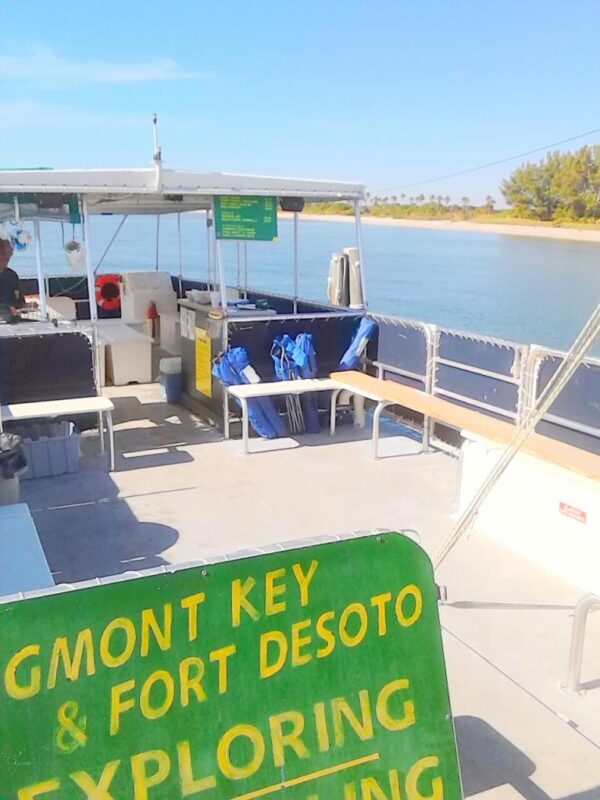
(490, 163)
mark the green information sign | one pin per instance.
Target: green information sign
(239, 217)
(309, 674)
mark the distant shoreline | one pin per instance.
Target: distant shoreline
(568, 234)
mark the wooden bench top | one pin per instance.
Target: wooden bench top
(455, 416)
(248, 390)
(56, 408)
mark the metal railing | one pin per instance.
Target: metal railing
(589, 602)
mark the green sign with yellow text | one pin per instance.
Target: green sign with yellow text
(310, 674)
(253, 218)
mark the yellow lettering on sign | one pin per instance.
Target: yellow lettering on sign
(382, 707)
(162, 636)
(21, 691)
(189, 784)
(125, 625)
(118, 706)
(161, 676)
(142, 779)
(321, 726)
(232, 771)
(222, 656)
(379, 602)
(415, 773)
(298, 642)
(325, 634)
(273, 590)
(239, 601)
(72, 666)
(267, 668)
(304, 580)
(45, 787)
(409, 591)
(341, 710)
(97, 790)
(291, 739)
(370, 788)
(191, 603)
(363, 623)
(191, 672)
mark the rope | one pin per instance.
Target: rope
(572, 360)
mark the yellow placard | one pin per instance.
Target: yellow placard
(203, 363)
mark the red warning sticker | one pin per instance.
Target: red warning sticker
(574, 513)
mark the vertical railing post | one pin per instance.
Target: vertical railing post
(586, 604)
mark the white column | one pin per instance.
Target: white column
(221, 273)
(295, 262)
(361, 256)
(89, 267)
(40, 269)
(208, 267)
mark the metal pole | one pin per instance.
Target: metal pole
(40, 273)
(238, 266)
(361, 254)
(222, 287)
(295, 262)
(179, 252)
(208, 267)
(88, 262)
(586, 604)
(245, 270)
(157, 238)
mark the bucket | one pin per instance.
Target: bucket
(12, 464)
(170, 377)
(75, 254)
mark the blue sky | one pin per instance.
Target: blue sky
(389, 93)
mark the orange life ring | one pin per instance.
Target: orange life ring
(108, 292)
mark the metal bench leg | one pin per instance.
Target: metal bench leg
(111, 439)
(375, 440)
(244, 403)
(101, 432)
(425, 447)
(333, 409)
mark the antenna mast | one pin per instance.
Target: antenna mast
(157, 156)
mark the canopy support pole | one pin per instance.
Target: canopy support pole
(88, 263)
(157, 239)
(361, 255)
(222, 287)
(179, 253)
(238, 266)
(295, 262)
(40, 270)
(208, 266)
(245, 270)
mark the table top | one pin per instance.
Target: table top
(23, 565)
(56, 408)
(249, 390)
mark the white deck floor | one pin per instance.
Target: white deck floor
(182, 493)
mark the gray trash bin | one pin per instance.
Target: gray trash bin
(12, 464)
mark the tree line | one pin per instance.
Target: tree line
(561, 188)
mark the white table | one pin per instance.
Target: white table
(247, 391)
(59, 408)
(23, 565)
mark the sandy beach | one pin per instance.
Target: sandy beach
(573, 234)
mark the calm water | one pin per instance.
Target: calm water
(530, 290)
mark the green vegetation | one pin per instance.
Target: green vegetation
(561, 189)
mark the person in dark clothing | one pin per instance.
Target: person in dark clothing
(11, 296)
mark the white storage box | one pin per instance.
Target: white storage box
(128, 353)
(139, 289)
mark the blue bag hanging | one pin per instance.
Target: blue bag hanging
(362, 336)
(309, 369)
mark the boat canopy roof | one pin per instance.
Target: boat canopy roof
(151, 190)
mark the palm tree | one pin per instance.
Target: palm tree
(420, 198)
(490, 203)
(403, 197)
(447, 199)
(394, 199)
(465, 201)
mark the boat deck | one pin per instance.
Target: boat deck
(182, 493)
